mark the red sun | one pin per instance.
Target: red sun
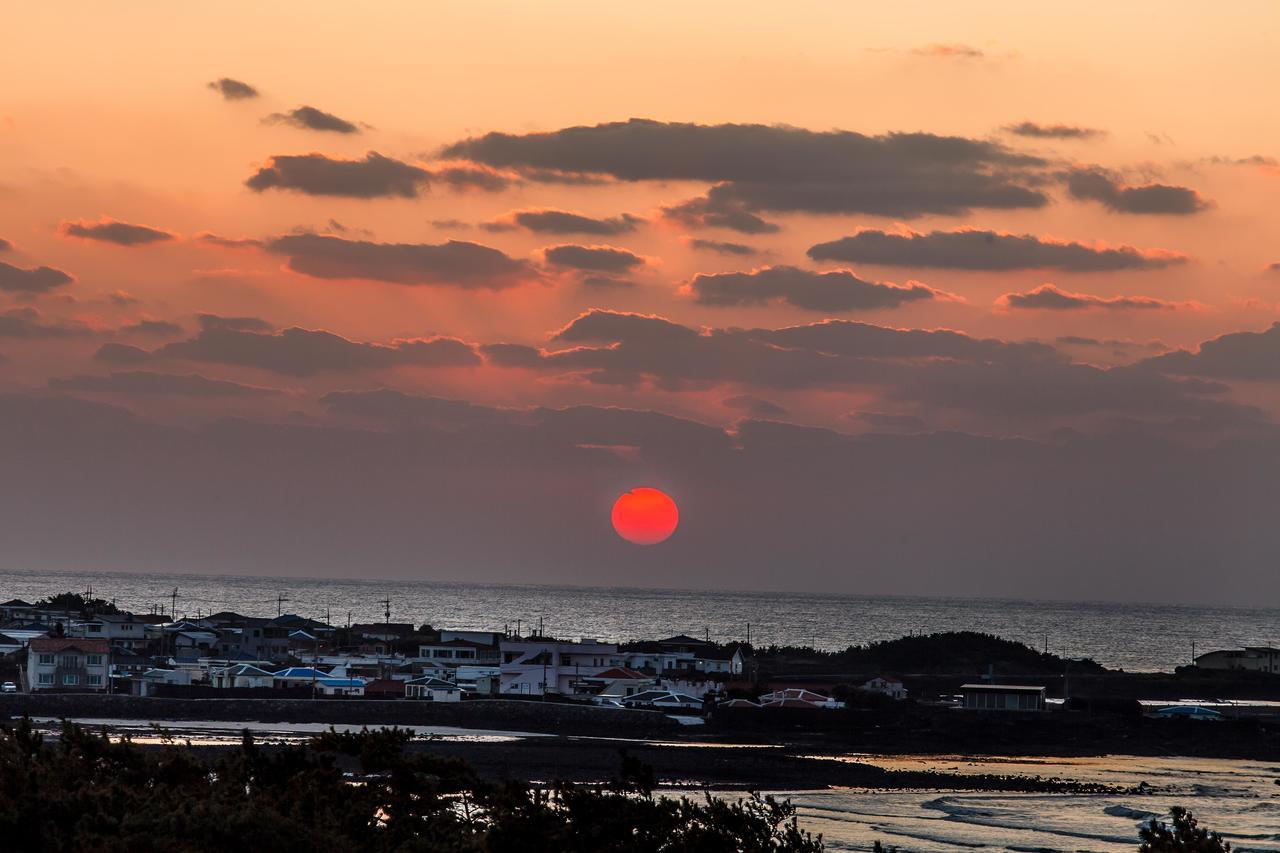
(645, 516)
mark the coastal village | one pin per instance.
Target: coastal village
(233, 655)
(77, 644)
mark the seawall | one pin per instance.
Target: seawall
(497, 714)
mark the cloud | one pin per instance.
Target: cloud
(1050, 298)
(839, 290)
(469, 176)
(607, 259)
(941, 192)
(112, 231)
(1052, 131)
(1238, 355)
(210, 239)
(1045, 389)
(216, 322)
(310, 118)
(233, 90)
(777, 168)
(599, 326)
(704, 213)
(604, 282)
(316, 174)
(151, 327)
(944, 370)
(305, 352)
(146, 382)
(27, 322)
(949, 51)
(456, 263)
(117, 353)
(1108, 343)
(853, 339)
(755, 406)
(842, 513)
(1095, 184)
(511, 355)
(565, 222)
(36, 280)
(971, 249)
(122, 299)
(622, 348)
(389, 405)
(737, 249)
(885, 420)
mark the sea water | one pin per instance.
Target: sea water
(1147, 637)
(1240, 799)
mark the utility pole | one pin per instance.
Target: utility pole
(174, 597)
(280, 600)
(748, 633)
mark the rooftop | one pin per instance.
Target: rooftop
(63, 644)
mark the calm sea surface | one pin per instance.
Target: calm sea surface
(1134, 637)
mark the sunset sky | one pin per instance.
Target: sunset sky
(921, 298)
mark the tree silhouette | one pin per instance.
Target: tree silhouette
(1183, 833)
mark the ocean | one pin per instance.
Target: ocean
(1136, 637)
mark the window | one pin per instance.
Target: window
(46, 678)
(69, 661)
(47, 660)
(93, 660)
(94, 680)
(93, 629)
(70, 679)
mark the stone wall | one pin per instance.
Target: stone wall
(497, 714)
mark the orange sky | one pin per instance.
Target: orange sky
(108, 116)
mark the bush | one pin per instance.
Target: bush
(1183, 833)
(86, 792)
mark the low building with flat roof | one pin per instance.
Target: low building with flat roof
(1003, 697)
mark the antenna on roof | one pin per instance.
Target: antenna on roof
(386, 604)
(280, 600)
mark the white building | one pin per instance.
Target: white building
(118, 629)
(457, 651)
(241, 675)
(432, 690)
(886, 685)
(1255, 658)
(534, 666)
(68, 663)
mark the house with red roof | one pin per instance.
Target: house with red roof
(71, 664)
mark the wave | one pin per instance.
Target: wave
(1137, 814)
